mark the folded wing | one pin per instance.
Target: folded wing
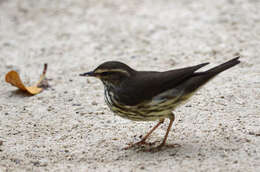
(146, 84)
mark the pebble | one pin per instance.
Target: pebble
(142, 168)
(253, 133)
(94, 103)
(36, 163)
(76, 104)
(17, 161)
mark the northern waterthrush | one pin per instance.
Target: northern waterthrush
(151, 95)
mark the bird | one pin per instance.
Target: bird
(151, 95)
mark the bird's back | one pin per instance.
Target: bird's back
(144, 85)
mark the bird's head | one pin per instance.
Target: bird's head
(111, 73)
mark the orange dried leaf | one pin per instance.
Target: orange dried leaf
(13, 78)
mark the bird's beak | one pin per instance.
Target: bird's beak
(88, 74)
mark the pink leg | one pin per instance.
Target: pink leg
(146, 136)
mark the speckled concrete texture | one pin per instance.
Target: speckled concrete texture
(69, 128)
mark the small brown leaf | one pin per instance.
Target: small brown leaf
(13, 78)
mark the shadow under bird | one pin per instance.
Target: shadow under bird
(151, 95)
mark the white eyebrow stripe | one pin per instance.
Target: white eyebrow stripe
(112, 70)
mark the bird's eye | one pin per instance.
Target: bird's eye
(106, 73)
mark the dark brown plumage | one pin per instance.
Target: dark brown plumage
(151, 95)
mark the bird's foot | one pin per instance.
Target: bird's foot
(161, 146)
(140, 143)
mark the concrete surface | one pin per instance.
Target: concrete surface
(69, 128)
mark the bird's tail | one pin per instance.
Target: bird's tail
(201, 78)
(220, 68)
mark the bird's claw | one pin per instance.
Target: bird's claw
(140, 143)
(166, 146)
(152, 149)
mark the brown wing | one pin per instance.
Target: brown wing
(146, 84)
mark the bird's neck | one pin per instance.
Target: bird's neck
(109, 86)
